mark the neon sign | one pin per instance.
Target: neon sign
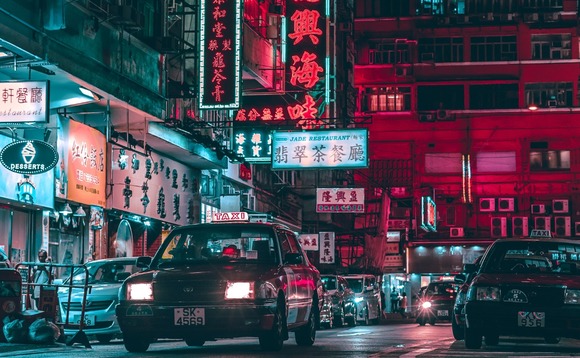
(428, 214)
(254, 144)
(220, 60)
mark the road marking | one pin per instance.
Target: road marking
(439, 342)
(417, 352)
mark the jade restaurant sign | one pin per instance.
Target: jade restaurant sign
(23, 101)
(343, 149)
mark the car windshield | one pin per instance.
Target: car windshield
(441, 288)
(356, 284)
(546, 257)
(215, 243)
(104, 272)
(329, 282)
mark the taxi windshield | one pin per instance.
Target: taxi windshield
(329, 282)
(356, 284)
(550, 257)
(215, 243)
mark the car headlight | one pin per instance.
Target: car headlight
(140, 291)
(572, 297)
(483, 293)
(238, 290)
(358, 299)
(426, 304)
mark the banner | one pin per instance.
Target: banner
(340, 200)
(327, 248)
(309, 242)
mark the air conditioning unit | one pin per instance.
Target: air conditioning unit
(562, 226)
(520, 226)
(538, 209)
(542, 223)
(248, 201)
(506, 204)
(498, 226)
(443, 115)
(401, 71)
(577, 228)
(456, 232)
(487, 204)
(345, 26)
(560, 206)
(426, 117)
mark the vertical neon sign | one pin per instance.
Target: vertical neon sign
(306, 65)
(220, 60)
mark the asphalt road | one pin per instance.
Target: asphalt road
(394, 340)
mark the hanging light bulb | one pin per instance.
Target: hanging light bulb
(66, 210)
(80, 212)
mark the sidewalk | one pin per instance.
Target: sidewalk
(23, 349)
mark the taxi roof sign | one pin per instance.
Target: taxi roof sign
(541, 234)
(230, 216)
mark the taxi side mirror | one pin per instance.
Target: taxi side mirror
(143, 262)
(293, 258)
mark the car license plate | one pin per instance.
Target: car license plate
(189, 316)
(442, 313)
(90, 320)
(531, 319)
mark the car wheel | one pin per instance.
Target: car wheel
(273, 340)
(458, 331)
(194, 341)
(491, 340)
(367, 321)
(377, 320)
(472, 338)
(421, 321)
(432, 321)
(135, 343)
(306, 335)
(552, 340)
(104, 338)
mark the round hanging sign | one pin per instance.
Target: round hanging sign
(28, 157)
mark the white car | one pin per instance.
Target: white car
(105, 279)
(367, 297)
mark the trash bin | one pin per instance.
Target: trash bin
(10, 294)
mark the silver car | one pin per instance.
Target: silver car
(105, 279)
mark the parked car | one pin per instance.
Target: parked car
(524, 287)
(458, 321)
(104, 278)
(4, 262)
(231, 278)
(436, 303)
(367, 298)
(340, 300)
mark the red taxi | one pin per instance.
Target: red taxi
(524, 287)
(229, 278)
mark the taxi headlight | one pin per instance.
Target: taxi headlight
(426, 304)
(572, 297)
(483, 293)
(358, 299)
(238, 290)
(140, 291)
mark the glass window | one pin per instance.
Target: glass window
(550, 160)
(551, 47)
(490, 162)
(356, 284)
(549, 95)
(433, 97)
(441, 49)
(443, 163)
(386, 99)
(493, 48)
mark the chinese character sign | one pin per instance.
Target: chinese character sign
(340, 200)
(24, 101)
(327, 247)
(254, 144)
(309, 242)
(220, 60)
(320, 149)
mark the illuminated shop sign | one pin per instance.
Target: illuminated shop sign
(306, 59)
(81, 172)
(340, 200)
(220, 60)
(327, 247)
(28, 157)
(254, 144)
(309, 242)
(34, 189)
(320, 149)
(24, 101)
(428, 214)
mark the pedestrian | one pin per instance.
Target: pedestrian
(403, 305)
(40, 276)
(394, 300)
(383, 304)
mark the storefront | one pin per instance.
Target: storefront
(150, 194)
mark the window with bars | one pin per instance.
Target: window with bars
(551, 47)
(549, 95)
(549, 159)
(494, 48)
(493, 96)
(441, 49)
(386, 99)
(388, 52)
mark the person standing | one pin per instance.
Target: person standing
(394, 300)
(403, 305)
(40, 276)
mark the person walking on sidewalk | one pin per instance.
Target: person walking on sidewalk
(403, 305)
(394, 300)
